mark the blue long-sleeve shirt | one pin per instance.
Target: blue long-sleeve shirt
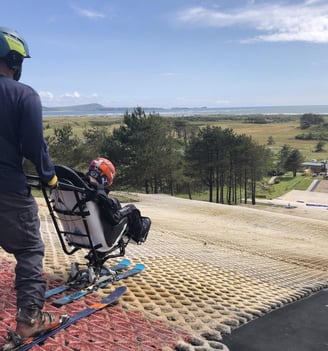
(21, 135)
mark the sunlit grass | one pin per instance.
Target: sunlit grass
(281, 132)
(283, 185)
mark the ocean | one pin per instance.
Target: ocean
(175, 112)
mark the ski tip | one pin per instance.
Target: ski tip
(118, 292)
(139, 266)
(115, 295)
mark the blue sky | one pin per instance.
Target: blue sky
(174, 53)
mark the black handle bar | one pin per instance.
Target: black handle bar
(34, 181)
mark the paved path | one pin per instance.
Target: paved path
(301, 326)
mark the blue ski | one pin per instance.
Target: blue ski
(102, 284)
(107, 301)
(74, 284)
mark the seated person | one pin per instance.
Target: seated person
(100, 175)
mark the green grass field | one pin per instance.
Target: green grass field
(281, 132)
(283, 185)
(80, 123)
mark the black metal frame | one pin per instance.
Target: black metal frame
(82, 192)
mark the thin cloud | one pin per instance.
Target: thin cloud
(70, 98)
(306, 21)
(168, 74)
(75, 94)
(88, 13)
(47, 95)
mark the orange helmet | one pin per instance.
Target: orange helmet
(103, 171)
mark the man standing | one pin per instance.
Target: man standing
(21, 136)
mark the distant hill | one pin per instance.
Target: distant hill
(85, 107)
(96, 108)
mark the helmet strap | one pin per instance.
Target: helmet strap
(14, 62)
(17, 72)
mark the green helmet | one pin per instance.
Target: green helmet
(13, 50)
(10, 40)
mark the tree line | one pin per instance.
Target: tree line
(154, 154)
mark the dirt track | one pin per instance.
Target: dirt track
(291, 227)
